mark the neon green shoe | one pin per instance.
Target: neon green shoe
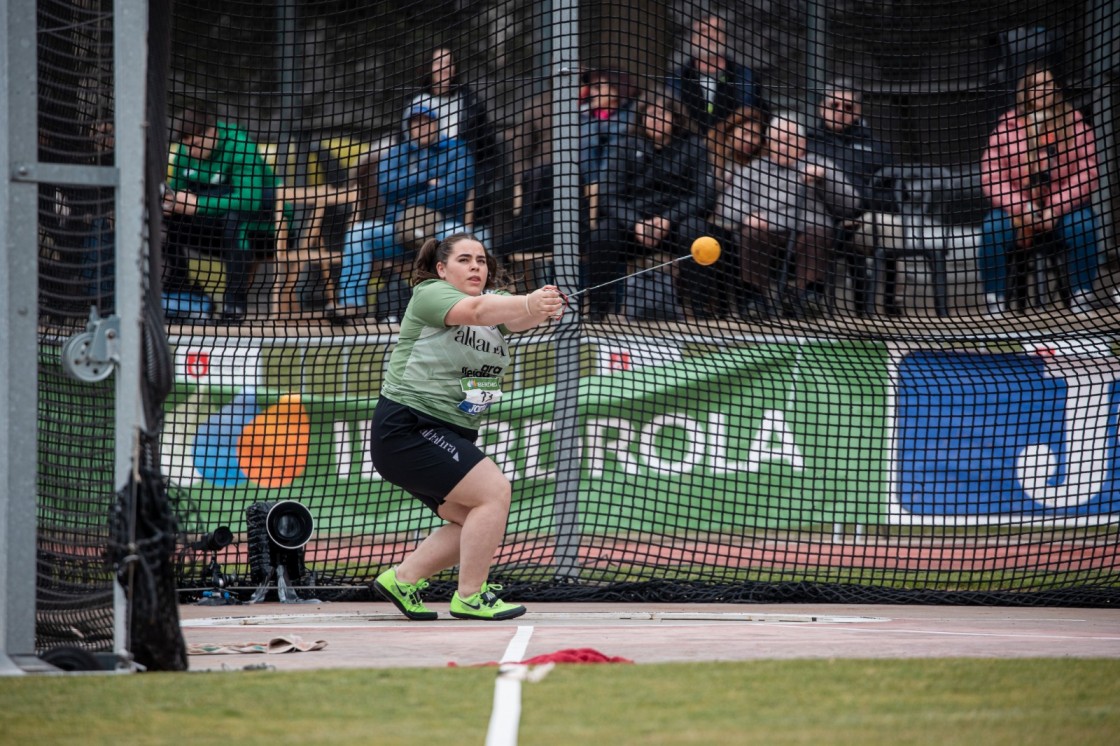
(484, 605)
(405, 596)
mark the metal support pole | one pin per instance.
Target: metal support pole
(1104, 62)
(542, 46)
(19, 289)
(286, 48)
(563, 33)
(130, 55)
(816, 53)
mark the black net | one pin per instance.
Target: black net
(90, 535)
(889, 375)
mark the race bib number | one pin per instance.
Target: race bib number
(479, 394)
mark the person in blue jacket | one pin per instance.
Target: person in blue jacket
(424, 170)
(710, 83)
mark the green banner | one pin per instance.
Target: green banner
(766, 436)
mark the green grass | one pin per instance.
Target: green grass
(1035, 701)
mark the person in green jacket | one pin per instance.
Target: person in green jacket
(220, 192)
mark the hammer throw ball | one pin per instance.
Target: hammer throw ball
(705, 250)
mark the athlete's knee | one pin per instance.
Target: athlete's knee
(503, 493)
(485, 485)
(498, 493)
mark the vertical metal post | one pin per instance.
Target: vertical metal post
(563, 32)
(816, 53)
(130, 56)
(1104, 60)
(542, 45)
(19, 289)
(286, 31)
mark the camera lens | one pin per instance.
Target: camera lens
(289, 524)
(287, 528)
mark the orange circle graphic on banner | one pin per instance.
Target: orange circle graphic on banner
(273, 449)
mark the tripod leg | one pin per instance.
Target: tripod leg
(286, 592)
(261, 591)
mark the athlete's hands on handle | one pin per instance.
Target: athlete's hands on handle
(545, 303)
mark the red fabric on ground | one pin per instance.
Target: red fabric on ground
(575, 655)
(572, 655)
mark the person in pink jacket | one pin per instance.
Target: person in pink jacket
(1039, 173)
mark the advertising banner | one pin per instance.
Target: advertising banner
(766, 436)
(762, 436)
(1006, 438)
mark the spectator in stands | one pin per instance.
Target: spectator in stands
(463, 117)
(1039, 172)
(220, 192)
(843, 136)
(737, 141)
(655, 195)
(710, 83)
(732, 144)
(786, 206)
(531, 171)
(425, 170)
(606, 113)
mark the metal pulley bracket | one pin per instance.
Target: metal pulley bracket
(92, 355)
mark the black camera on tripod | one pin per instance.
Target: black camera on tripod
(213, 542)
(276, 533)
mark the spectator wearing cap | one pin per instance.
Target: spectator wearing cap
(424, 170)
(710, 83)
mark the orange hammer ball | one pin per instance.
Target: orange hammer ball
(705, 250)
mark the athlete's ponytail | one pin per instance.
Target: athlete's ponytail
(424, 268)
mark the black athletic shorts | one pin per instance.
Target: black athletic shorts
(420, 454)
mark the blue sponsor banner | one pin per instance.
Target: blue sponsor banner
(983, 437)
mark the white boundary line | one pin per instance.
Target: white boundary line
(515, 651)
(505, 718)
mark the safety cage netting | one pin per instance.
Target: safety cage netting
(841, 321)
(104, 551)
